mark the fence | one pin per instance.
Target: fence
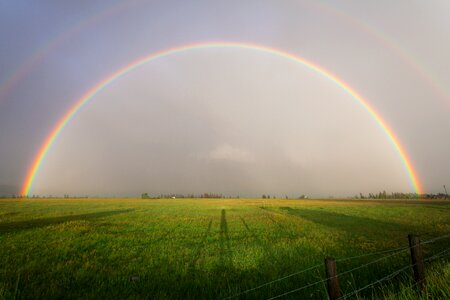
(332, 276)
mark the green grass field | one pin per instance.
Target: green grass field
(213, 249)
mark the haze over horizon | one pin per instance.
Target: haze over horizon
(225, 120)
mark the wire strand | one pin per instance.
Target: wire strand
(320, 281)
(298, 289)
(396, 250)
(305, 270)
(392, 250)
(370, 254)
(437, 255)
(436, 239)
(273, 281)
(390, 276)
(393, 274)
(372, 262)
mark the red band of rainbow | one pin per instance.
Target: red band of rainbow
(65, 119)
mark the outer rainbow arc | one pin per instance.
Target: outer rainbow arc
(50, 139)
(40, 54)
(393, 47)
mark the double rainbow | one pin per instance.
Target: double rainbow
(70, 114)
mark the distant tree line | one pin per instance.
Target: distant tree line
(182, 196)
(379, 195)
(14, 196)
(264, 196)
(384, 195)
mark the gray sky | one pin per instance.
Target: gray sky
(231, 121)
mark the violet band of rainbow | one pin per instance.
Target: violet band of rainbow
(70, 114)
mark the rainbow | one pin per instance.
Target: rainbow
(394, 47)
(70, 114)
(40, 54)
(30, 64)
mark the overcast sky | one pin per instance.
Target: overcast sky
(231, 121)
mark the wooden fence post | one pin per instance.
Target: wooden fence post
(417, 260)
(334, 291)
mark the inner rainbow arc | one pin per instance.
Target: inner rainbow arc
(65, 119)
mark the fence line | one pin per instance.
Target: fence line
(371, 254)
(387, 277)
(298, 289)
(320, 281)
(392, 250)
(416, 283)
(437, 255)
(273, 281)
(396, 250)
(393, 274)
(436, 239)
(314, 267)
(390, 276)
(372, 262)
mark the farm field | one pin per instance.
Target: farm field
(214, 248)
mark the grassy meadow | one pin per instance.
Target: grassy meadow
(213, 248)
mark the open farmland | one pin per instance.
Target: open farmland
(211, 248)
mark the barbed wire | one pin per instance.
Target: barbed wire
(437, 239)
(311, 268)
(396, 250)
(416, 283)
(372, 262)
(371, 254)
(348, 271)
(388, 277)
(298, 289)
(393, 250)
(393, 274)
(273, 281)
(437, 255)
